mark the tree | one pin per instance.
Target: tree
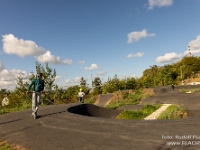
(97, 86)
(83, 82)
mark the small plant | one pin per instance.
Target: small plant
(144, 112)
(174, 112)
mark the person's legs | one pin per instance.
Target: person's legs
(33, 103)
(37, 102)
(81, 99)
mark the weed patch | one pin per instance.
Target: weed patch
(138, 115)
(174, 112)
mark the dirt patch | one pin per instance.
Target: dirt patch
(148, 91)
(117, 96)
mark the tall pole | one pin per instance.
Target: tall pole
(181, 74)
(92, 81)
(189, 51)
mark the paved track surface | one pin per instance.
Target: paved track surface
(85, 127)
(104, 98)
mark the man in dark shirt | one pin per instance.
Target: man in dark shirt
(38, 87)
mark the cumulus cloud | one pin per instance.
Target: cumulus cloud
(159, 3)
(1, 66)
(137, 35)
(194, 46)
(57, 78)
(92, 67)
(133, 75)
(139, 54)
(8, 79)
(48, 57)
(20, 47)
(101, 73)
(81, 62)
(77, 79)
(168, 57)
(23, 48)
(67, 81)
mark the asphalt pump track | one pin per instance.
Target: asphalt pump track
(89, 127)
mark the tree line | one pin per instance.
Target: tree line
(174, 73)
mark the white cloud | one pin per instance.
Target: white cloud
(81, 62)
(194, 46)
(67, 81)
(159, 3)
(133, 75)
(20, 47)
(101, 73)
(8, 79)
(1, 66)
(47, 57)
(138, 54)
(168, 57)
(137, 35)
(77, 79)
(92, 67)
(57, 78)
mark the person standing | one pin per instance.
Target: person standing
(38, 87)
(172, 86)
(81, 96)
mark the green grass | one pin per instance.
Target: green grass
(7, 109)
(138, 115)
(132, 99)
(89, 100)
(187, 90)
(173, 112)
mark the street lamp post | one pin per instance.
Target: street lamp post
(181, 74)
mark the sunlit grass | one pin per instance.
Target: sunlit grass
(138, 115)
(174, 112)
(7, 109)
(188, 90)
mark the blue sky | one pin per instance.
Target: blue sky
(99, 37)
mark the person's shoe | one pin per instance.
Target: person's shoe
(35, 116)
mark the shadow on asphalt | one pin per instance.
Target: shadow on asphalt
(94, 111)
(49, 114)
(9, 121)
